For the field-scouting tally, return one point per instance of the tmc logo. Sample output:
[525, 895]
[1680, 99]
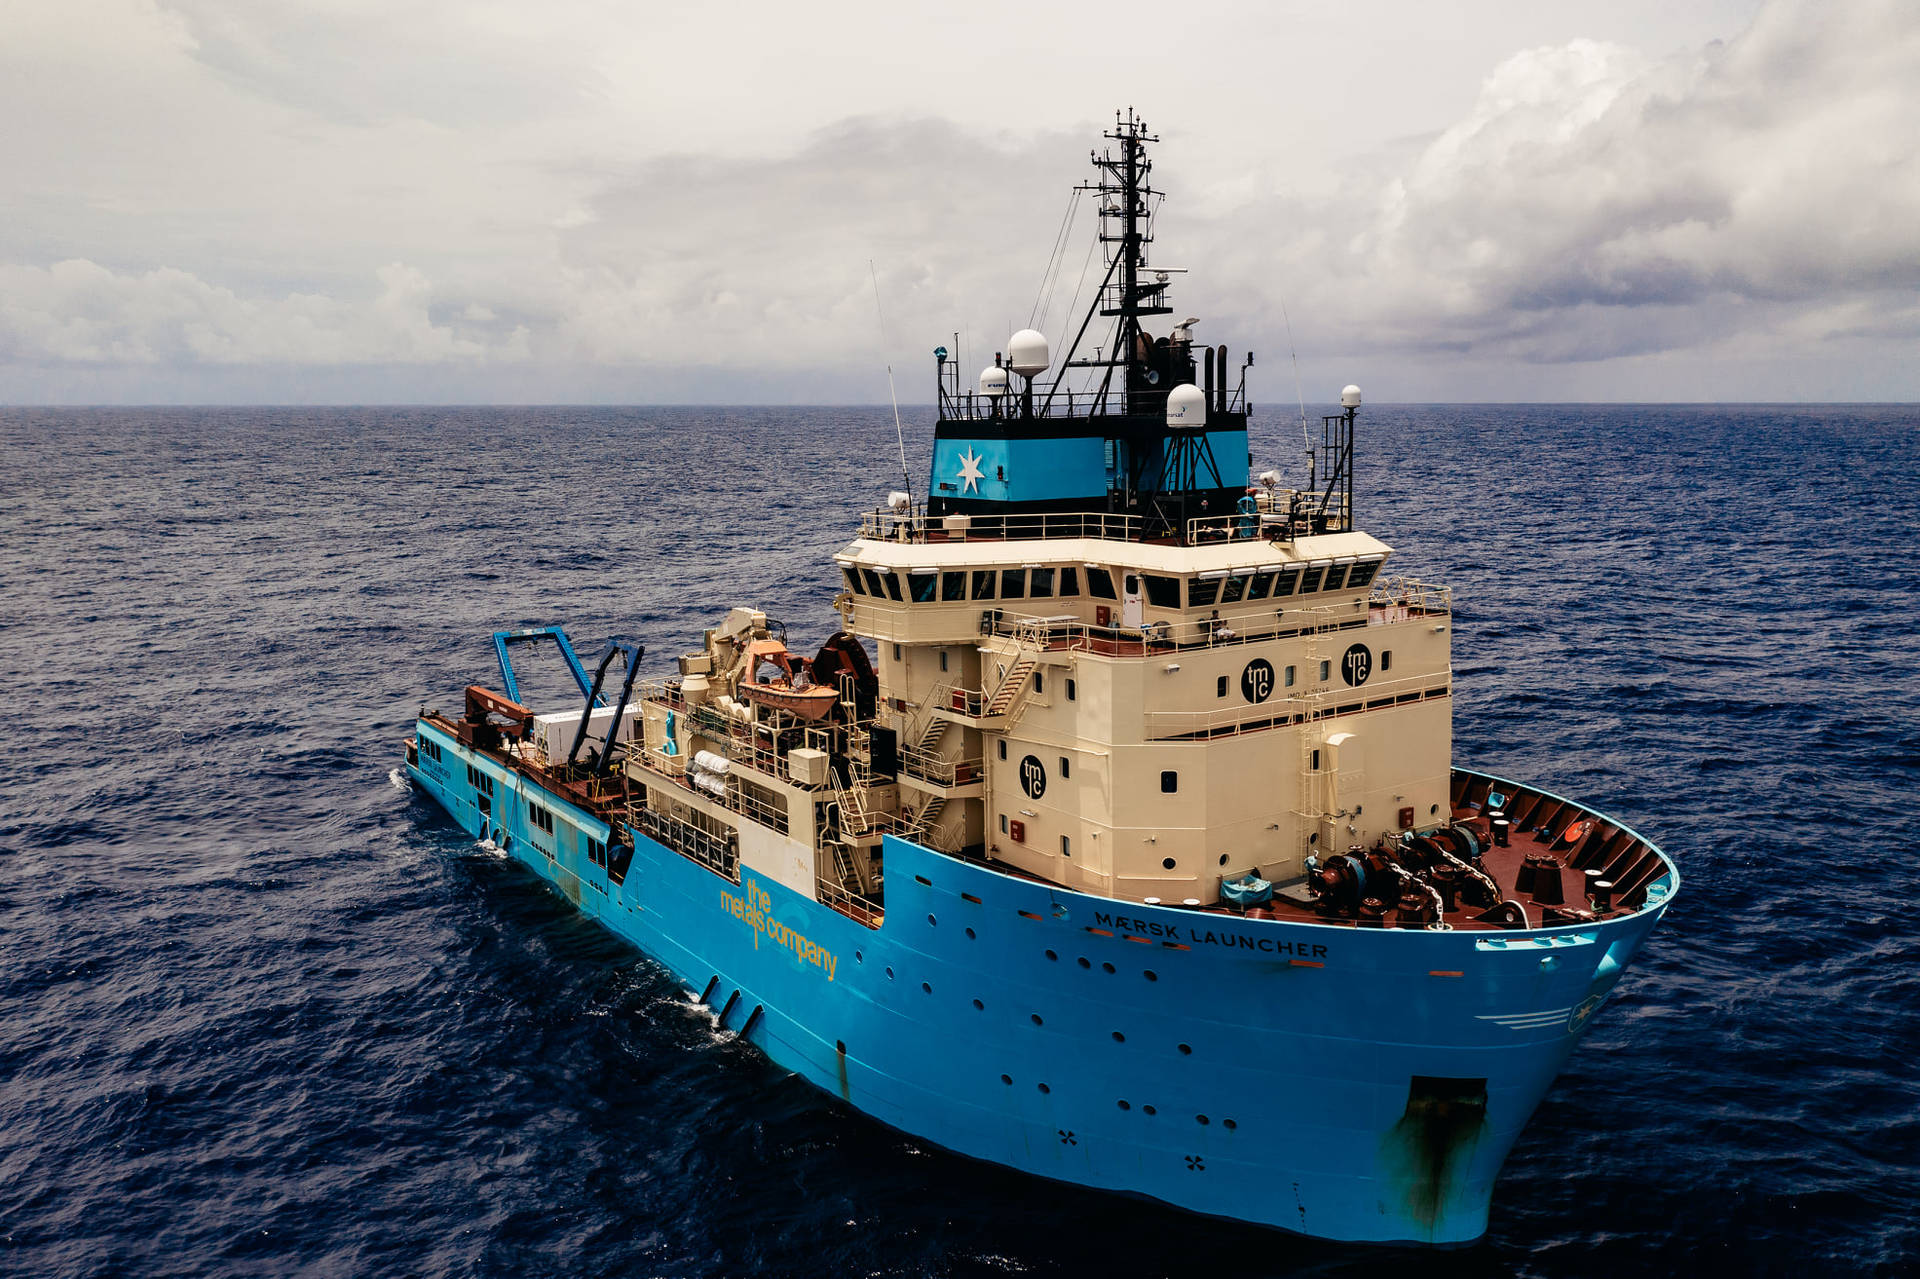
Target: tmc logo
[1033, 776]
[1357, 665]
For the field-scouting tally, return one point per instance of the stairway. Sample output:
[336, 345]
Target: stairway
[925, 820]
[1013, 688]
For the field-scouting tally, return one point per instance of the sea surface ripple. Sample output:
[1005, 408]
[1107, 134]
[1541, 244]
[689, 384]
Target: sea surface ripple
[266, 1012]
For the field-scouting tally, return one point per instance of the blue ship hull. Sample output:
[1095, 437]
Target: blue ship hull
[1359, 1084]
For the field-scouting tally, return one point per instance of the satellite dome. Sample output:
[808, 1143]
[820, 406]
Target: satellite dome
[1186, 407]
[1350, 397]
[993, 382]
[1027, 353]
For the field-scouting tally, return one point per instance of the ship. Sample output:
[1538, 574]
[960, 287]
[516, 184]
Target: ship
[1114, 836]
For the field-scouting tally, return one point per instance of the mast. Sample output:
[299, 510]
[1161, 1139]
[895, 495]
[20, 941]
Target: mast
[1112, 448]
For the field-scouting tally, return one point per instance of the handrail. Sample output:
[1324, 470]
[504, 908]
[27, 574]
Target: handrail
[1297, 708]
[916, 525]
[929, 767]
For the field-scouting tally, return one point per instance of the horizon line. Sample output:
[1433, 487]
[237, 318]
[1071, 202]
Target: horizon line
[883, 405]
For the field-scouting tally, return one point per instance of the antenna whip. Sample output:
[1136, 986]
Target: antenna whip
[899, 435]
[1306, 437]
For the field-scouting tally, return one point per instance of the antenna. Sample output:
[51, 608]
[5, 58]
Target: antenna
[899, 435]
[1306, 437]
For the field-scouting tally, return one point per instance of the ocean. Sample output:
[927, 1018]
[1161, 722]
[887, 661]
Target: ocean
[263, 1011]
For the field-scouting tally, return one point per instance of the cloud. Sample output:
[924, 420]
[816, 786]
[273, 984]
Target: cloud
[1594, 204]
[80, 313]
[449, 189]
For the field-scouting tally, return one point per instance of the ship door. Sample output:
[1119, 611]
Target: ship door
[1130, 616]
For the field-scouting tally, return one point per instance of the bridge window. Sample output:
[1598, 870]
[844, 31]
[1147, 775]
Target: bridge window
[1260, 586]
[872, 580]
[1310, 580]
[1013, 583]
[1040, 583]
[853, 581]
[1336, 578]
[983, 584]
[1233, 588]
[1069, 581]
[893, 584]
[1162, 592]
[1100, 583]
[1363, 574]
[1201, 591]
[923, 585]
[1289, 579]
[953, 586]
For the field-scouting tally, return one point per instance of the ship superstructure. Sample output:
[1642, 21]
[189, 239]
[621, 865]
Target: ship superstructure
[1120, 808]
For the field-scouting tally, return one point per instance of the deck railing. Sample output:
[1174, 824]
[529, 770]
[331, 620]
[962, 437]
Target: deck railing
[1295, 708]
[929, 767]
[917, 526]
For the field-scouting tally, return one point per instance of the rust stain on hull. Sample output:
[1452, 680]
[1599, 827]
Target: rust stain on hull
[1434, 1141]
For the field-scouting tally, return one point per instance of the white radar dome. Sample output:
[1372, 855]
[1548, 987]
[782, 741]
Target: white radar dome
[993, 382]
[1350, 397]
[1027, 353]
[1187, 407]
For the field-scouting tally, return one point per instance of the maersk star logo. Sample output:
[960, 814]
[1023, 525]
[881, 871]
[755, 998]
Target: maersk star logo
[970, 472]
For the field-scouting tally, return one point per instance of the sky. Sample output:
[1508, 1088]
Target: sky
[580, 201]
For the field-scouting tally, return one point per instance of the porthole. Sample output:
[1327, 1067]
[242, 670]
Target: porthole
[1119, 1038]
[1150, 975]
[1148, 1110]
[1036, 1019]
[1228, 1123]
[978, 1006]
[1166, 863]
[1044, 1088]
[927, 987]
[840, 1046]
[1186, 1050]
[1432, 809]
[1106, 968]
[1007, 1080]
[970, 934]
[889, 974]
[1223, 856]
[1126, 1105]
[1202, 1120]
[1084, 962]
[1051, 955]
[932, 922]
[859, 957]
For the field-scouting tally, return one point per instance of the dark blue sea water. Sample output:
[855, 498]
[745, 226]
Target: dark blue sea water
[263, 1012]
